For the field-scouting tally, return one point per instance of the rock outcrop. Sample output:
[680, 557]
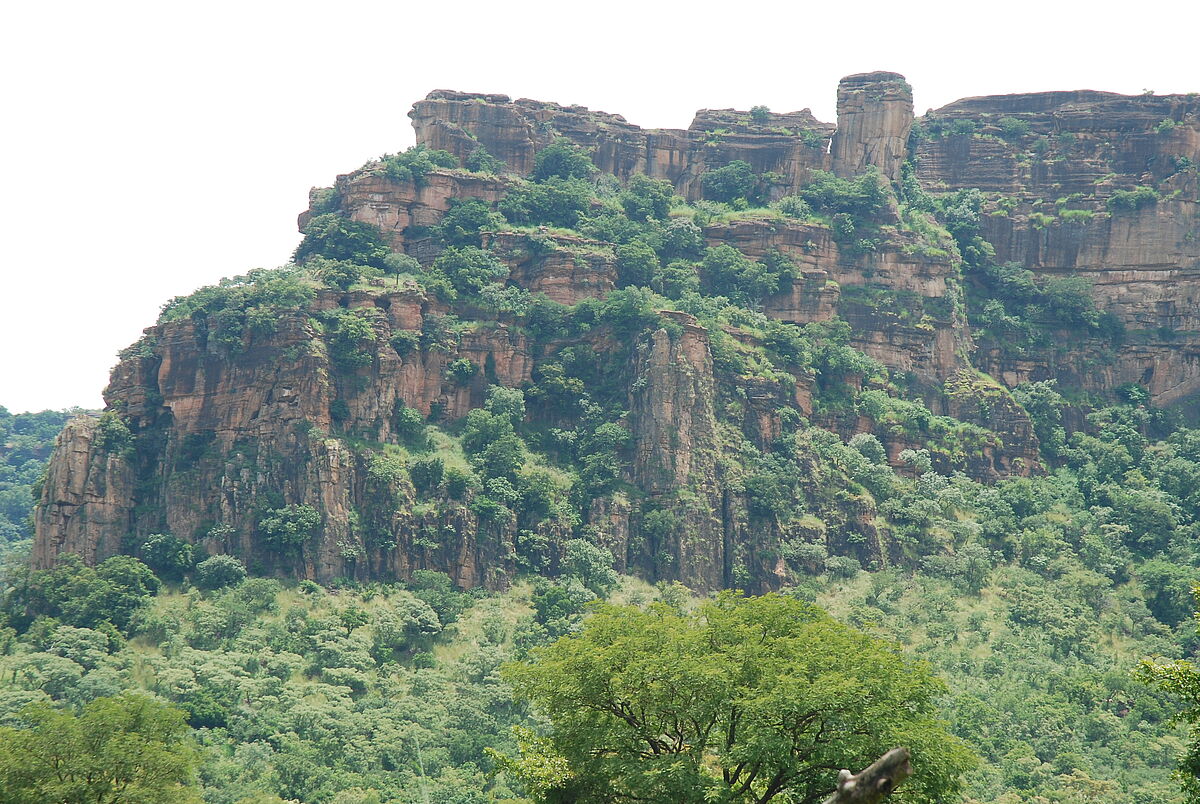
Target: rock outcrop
[790, 144]
[221, 430]
[875, 116]
[1057, 169]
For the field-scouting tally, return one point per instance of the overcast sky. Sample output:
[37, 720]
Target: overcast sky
[150, 148]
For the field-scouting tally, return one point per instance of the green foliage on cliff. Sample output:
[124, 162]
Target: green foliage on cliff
[415, 164]
[290, 527]
[25, 443]
[562, 160]
[337, 237]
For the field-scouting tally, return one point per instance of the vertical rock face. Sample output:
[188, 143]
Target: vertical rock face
[1053, 167]
[875, 116]
[87, 499]
[901, 302]
[223, 433]
[675, 455]
[566, 269]
[790, 144]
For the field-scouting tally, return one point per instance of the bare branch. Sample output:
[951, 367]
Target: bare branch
[875, 782]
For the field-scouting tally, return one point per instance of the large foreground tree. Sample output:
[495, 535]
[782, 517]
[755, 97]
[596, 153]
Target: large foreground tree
[125, 750]
[744, 700]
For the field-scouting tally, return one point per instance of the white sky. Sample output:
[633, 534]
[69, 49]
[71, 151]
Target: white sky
[153, 147]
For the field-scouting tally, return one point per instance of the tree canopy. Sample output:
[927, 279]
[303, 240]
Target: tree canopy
[743, 700]
[125, 750]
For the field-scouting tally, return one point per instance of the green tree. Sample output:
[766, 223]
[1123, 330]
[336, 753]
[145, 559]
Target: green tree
[730, 182]
[125, 750]
[466, 218]
[480, 160]
[339, 238]
[291, 526]
[169, 556]
[469, 268]
[744, 700]
[636, 264]
[1181, 678]
[218, 572]
[647, 199]
[564, 160]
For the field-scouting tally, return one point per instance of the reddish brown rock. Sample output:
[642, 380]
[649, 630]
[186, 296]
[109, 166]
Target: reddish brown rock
[790, 144]
[566, 269]
[875, 115]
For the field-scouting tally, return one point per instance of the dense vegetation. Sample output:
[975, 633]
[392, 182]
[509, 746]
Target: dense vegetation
[1033, 598]
[25, 443]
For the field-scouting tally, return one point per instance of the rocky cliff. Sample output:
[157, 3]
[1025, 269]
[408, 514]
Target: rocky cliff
[682, 431]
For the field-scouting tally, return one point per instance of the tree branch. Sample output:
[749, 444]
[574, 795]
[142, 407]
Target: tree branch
[875, 782]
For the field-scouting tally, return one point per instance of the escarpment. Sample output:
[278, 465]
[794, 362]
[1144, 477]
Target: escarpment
[547, 325]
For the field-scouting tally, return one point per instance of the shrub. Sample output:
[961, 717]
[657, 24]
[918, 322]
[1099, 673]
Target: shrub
[289, 527]
[481, 161]
[113, 434]
[1012, 128]
[647, 199]
[729, 183]
[415, 163]
[340, 274]
[1131, 200]
[469, 268]
[636, 264]
[218, 572]
[555, 202]
[340, 238]
[682, 239]
[169, 556]
[427, 474]
[466, 218]
[593, 565]
[404, 341]
[869, 447]
[794, 207]
[761, 115]
[351, 336]
[408, 424]
[563, 160]
[861, 198]
[461, 371]
[842, 566]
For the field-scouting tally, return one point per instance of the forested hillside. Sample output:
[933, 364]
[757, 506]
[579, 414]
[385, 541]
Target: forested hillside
[344, 519]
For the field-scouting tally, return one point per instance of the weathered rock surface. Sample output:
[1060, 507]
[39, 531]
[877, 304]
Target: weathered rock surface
[875, 115]
[1050, 163]
[221, 437]
[566, 269]
[790, 144]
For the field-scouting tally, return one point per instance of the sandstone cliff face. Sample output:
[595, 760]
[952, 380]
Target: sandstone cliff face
[565, 269]
[875, 115]
[1051, 164]
[790, 144]
[900, 302]
[675, 457]
[89, 501]
[221, 436]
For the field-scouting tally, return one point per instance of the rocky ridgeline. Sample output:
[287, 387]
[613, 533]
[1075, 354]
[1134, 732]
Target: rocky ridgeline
[218, 437]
